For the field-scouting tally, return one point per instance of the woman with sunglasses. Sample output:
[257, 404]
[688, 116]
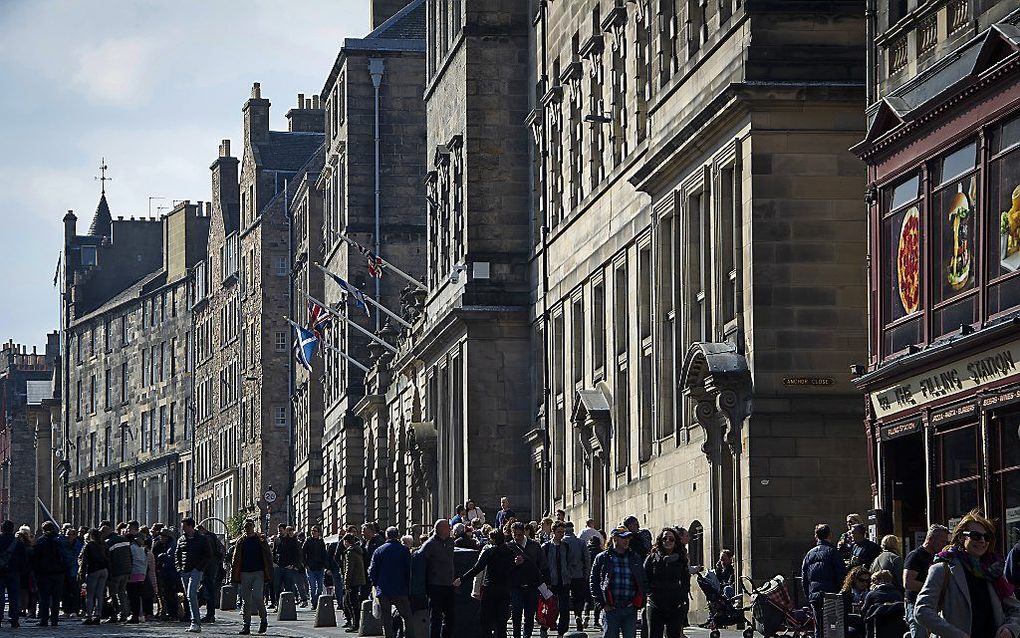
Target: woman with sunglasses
[669, 585]
[965, 594]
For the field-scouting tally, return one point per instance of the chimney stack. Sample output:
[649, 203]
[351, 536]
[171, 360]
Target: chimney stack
[308, 117]
[383, 10]
[226, 191]
[256, 117]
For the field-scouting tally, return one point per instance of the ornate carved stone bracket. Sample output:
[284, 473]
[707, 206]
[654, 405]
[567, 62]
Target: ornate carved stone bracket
[716, 376]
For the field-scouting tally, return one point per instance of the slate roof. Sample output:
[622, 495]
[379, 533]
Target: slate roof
[404, 31]
[288, 151]
[102, 220]
[406, 24]
[133, 291]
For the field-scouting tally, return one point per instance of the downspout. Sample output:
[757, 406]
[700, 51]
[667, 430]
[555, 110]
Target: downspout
[870, 53]
[375, 69]
[291, 453]
[191, 404]
[546, 393]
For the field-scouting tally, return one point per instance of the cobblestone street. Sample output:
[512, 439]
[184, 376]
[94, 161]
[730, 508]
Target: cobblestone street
[227, 624]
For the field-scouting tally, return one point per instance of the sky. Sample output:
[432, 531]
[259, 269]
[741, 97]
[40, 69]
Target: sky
[151, 86]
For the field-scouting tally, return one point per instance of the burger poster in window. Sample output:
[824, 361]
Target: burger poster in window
[959, 208]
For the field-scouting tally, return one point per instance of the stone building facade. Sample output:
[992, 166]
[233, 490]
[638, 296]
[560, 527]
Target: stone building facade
[26, 455]
[127, 385]
[454, 399]
[307, 397]
[242, 294]
[373, 193]
[942, 151]
[694, 191]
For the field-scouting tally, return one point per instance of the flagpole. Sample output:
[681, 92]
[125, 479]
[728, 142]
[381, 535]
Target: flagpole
[388, 265]
[349, 358]
[329, 347]
[366, 332]
[375, 303]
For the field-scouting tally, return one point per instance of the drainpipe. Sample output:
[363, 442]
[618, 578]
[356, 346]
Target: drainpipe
[869, 55]
[546, 393]
[291, 453]
[375, 68]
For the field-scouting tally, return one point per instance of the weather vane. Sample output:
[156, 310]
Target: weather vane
[102, 175]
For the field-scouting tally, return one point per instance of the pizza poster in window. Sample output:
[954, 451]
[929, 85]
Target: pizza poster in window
[908, 262]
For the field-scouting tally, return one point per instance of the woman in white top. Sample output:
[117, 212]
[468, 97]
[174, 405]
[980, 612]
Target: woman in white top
[472, 512]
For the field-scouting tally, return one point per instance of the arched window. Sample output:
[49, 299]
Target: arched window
[696, 547]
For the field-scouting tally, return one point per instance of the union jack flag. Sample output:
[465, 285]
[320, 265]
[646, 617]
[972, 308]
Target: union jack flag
[318, 319]
[375, 262]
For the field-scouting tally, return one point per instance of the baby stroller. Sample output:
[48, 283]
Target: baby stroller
[773, 612]
[723, 611]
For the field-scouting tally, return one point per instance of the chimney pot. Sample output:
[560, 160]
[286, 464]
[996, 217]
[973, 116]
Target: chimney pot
[300, 99]
[256, 91]
[315, 101]
[225, 148]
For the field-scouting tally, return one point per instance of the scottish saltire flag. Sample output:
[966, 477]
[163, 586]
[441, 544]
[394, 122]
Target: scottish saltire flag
[318, 319]
[305, 344]
[353, 291]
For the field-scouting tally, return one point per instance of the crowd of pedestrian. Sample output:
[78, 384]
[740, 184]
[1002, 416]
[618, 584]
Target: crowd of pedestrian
[953, 584]
[547, 574]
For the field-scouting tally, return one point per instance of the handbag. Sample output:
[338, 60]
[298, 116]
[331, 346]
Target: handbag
[376, 607]
[548, 612]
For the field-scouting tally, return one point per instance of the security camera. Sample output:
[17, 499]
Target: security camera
[455, 273]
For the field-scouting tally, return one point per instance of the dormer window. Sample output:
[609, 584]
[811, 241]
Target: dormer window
[89, 256]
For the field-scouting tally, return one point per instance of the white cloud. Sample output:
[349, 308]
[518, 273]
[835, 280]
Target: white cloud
[116, 71]
[151, 85]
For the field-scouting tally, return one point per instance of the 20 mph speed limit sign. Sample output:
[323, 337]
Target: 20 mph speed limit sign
[270, 496]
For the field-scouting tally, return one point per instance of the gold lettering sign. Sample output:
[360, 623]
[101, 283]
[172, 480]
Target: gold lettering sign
[956, 378]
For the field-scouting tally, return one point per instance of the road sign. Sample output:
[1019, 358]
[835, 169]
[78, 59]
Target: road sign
[270, 496]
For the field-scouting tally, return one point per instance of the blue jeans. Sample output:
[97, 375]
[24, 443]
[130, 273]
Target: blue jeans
[289, 582]
[916, 630]
[10, 583]
[192, 581]
[619, 621]
[316, 584]
[523, 603]
[50, 592]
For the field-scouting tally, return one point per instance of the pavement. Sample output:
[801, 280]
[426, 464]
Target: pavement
[228, 623]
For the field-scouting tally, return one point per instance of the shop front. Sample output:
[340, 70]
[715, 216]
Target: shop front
[948, 441]
[943, 376]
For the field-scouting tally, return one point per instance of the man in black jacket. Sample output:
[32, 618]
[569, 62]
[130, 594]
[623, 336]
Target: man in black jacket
[212, 576]
[49, 566]
[314, 553]
[865, 550]
[12, 563]
[192, 556]
[120, 570]
[287, 554]
[439, 575]
[530, 570]
[822, 572]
